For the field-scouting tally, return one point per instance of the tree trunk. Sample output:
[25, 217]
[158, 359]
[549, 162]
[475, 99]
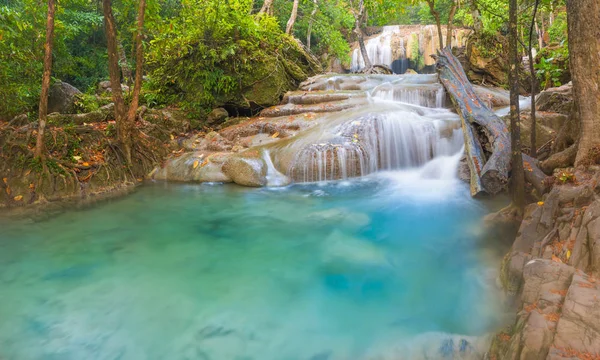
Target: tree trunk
[517, 176]
[310, 23]
[584, 55]
[125, 69]
[533, 151]
[266, 8]
[139, 65]
[358, 20]
[539, 35]
[123, 129]
[486, 128]
[292, 20]
[43, 109]
[449, 27]
[476, 15]
[438, 22]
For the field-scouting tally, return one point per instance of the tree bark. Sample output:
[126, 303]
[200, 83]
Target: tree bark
[584, 55]
[266, 8]
[310, 23]
[486, 127]
[125, 69]
[358, 20]
[123, 128]
[438, 22]
[292, 20]
[450, 20]
[533, 151]
[43, 108]
[476, 15]
[139, 65]
[517, 176]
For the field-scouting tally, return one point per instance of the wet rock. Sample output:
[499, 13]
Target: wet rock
[193, 167]
[62, 97]
[247, 169]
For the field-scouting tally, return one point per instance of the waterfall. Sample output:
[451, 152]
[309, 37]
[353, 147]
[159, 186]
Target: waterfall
[402, 125]
[389, 47]
[379, 49]
[427, 96]
[385, 141]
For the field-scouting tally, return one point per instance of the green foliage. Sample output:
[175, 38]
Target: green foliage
[210, 52]
[20, 56]
[417, 57]
[551, 65]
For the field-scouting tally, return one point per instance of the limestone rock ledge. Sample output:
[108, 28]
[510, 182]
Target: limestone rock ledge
[553, 274]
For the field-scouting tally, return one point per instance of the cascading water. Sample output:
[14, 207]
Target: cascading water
[405, 126]
[403, 47]
[378, 48]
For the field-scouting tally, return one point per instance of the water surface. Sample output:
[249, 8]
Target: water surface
[390, 266]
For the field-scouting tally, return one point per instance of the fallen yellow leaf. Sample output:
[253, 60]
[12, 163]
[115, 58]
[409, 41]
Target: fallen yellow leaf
[8, 190]
[18, 197]
[204, 163]
[172, 137]
[31, 186]
[275, 135]
[568, 254]
[86, 164]
[540, 203]
[195, 164]
[5, 180]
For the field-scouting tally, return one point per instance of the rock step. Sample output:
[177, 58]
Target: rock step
[325, 107]
[318, 97]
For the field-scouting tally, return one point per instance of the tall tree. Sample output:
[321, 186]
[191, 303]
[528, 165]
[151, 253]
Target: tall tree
[267, 7]
[584, 54]
[517, 177]
[476, 15]
[359, 18]
[139, 63]
[311, 20]
[124, 129]
[450, 20]
[438, 21]
[43, 108]
[292, 20]
[533, 139]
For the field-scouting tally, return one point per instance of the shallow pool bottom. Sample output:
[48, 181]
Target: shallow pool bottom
[384, 267]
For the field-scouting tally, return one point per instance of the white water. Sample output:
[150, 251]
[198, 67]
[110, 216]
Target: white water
[405, 127]
[379, 49]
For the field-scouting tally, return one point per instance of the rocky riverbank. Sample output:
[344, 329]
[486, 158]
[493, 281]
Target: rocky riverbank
[552, 273]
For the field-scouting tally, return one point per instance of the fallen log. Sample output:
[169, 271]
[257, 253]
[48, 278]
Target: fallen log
[475, 159]
[487, 128]
[534, 175]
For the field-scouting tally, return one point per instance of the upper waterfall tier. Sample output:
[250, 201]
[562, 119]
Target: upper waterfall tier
[404, 47]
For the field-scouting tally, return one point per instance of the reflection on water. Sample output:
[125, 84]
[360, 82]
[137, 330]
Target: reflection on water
[383, 267]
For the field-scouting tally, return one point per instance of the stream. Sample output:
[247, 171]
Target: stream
[387, 262]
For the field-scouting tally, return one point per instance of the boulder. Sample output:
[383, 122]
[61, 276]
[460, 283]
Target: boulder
[247, 169]
[193, 167]
[558, 100]
[104, 88]
[62, 97]
[217, 116]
